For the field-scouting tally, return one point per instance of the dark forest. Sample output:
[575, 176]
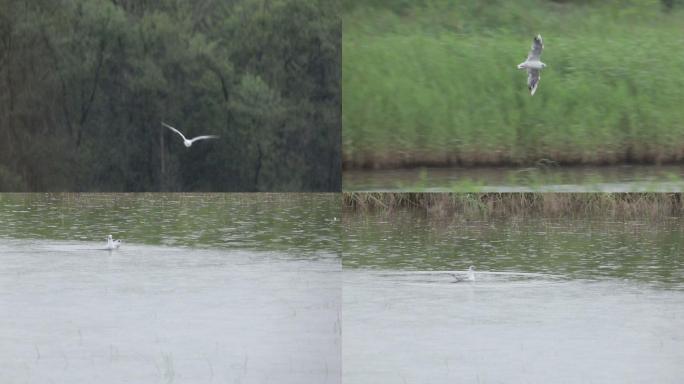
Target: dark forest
[85, 84]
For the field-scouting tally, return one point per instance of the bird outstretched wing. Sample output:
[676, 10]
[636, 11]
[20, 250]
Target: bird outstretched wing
[536, 50]
[533, 77]
[203, 138]
[174, 129]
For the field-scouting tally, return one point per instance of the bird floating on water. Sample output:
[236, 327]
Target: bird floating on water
[533, 64]
[187, 142]
[469, 277]
[112, 244]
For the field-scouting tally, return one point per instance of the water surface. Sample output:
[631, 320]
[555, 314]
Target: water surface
[205, 288]
[593, 300]
[302, 223]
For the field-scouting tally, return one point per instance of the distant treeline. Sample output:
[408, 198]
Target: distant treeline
[434, 82]
[507, 205]
[84, 85]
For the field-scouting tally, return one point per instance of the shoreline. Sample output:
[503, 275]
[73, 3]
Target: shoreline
[507, 205]
[367, 163]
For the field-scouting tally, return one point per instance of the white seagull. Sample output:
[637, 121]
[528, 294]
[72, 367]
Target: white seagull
[187, 142]
[112, 244]
[469, 277]
[533, 64]
[471, 273]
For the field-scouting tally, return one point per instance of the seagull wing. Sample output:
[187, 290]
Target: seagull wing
[456, 277]
[203, 138]
[174, 129]
[536, 50]
[461, 278]
[533, 77]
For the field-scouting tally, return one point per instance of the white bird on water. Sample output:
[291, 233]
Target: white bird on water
[533, 64]
[112, 244]
[187, 142]
[471, 273]
[469, 277]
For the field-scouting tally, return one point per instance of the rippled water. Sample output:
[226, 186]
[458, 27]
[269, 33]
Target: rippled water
[237, 289]
[590, 248]
[532, 179]
[297, 222]
[562, 301]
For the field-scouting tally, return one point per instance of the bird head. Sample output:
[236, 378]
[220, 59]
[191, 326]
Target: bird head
[471, 268]
[187, 143]
[109, 237]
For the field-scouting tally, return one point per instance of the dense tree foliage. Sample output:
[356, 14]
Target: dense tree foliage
[84, 85]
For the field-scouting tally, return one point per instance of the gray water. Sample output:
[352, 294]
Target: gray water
[554, 301]
[626, 178]
[182, 301]
[502, 330]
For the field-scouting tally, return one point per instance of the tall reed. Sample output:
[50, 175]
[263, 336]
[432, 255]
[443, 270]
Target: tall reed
[483, 205]
[437, 84]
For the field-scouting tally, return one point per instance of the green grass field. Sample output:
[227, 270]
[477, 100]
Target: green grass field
[437, 84]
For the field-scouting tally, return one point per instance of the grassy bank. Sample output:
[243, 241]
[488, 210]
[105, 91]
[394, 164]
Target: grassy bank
[437, 84]
[483, 205]
[540, 178]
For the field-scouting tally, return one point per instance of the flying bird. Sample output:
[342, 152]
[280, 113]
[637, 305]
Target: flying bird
[112, 244]
[187, 142]
[533, 64]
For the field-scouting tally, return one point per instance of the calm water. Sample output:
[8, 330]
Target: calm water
[205, 288]
[562, 301]
[534, 179]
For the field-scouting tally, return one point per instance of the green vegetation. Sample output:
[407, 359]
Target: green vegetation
[506, 205]
[528, 179]
[84, 85]
[434, 82]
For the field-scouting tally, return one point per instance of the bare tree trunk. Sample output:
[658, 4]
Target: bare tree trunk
[162, 182]
[58, 69]
[10, 93]
[85, 107]
[258, 168]
[8, 80]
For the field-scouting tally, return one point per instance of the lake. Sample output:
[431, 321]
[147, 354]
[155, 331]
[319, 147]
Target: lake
[205, 288]
[593, 300]
[624, 178]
